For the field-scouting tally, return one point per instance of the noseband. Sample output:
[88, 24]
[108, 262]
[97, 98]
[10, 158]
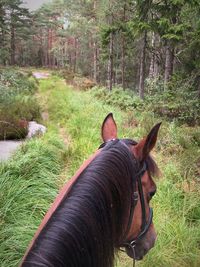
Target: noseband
[137, 190]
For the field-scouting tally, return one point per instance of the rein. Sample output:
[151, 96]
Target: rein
[145, 224]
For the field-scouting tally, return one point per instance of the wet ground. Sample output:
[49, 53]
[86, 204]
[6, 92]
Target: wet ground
[7, 148]
[41, 75]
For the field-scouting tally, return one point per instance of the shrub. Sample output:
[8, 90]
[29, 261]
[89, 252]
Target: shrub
[179, 101]
[17, 103]
[125, 100]
[64, 73]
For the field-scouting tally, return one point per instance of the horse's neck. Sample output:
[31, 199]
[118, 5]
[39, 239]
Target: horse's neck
[78, 234]
[84, 232]
[64, 191]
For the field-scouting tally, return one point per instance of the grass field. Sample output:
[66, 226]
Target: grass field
[43, 165]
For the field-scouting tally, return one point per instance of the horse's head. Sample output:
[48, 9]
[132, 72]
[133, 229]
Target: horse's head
[139, 235]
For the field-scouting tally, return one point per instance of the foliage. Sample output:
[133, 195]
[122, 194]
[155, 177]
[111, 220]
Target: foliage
[79, 114]
[28, 186]
[125, 100]
[65, 74]
[14, 30]
[13, 82]
[77, 35]
[16, 91]
[179, 101]
[176, 205]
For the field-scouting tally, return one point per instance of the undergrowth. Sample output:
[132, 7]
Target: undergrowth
[173, 103]
[80, 114]
[17, 89]
[28, 186]
[176, 205]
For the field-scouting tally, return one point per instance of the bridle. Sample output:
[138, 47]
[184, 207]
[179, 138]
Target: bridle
[137, 184]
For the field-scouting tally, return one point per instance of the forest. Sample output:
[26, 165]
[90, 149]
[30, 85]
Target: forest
[139, 60]
[115, 43]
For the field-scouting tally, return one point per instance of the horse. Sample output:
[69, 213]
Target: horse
[103, 208]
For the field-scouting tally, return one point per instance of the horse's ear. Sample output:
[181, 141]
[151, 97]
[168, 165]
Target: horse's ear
[109, 128]
[144, 147]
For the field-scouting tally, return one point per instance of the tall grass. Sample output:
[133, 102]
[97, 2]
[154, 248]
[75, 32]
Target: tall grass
[176, 209]
[28, 185]
[80, 114]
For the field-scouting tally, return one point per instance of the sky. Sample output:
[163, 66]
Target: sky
[34, 4]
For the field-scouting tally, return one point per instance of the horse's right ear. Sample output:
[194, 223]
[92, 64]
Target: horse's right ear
[109, 128]
[144, 147]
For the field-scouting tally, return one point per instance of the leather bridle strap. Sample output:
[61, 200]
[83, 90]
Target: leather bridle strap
[131, 244]
[145, 224]
[140, 190]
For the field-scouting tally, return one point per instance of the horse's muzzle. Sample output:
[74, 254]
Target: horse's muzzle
[142, 246]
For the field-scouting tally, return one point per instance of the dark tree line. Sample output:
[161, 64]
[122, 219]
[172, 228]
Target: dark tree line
[15, 23]
[121, 42]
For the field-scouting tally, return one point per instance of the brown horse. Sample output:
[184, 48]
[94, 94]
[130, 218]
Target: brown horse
[104, 207]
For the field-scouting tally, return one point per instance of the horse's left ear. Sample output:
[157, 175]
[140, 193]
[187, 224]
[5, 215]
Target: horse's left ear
[144, 147]
[109, 128]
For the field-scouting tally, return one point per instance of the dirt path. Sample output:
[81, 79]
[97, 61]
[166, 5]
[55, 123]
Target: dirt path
[43, 98]
[41, 75]
[7, 148]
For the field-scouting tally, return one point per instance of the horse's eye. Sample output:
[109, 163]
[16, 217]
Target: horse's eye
[152, 193]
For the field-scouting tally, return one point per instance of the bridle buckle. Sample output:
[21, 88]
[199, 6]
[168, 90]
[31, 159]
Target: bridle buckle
[135, 196]
[133, 243]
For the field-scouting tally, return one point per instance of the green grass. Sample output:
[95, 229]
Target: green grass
[80, 114]
[176, 210]
[17, 91]
[28, 185]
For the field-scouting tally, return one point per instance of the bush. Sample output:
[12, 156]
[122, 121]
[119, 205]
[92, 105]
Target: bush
[65, 74]
[83, 83]
[16, 82]
[17, 103]
[179, 101]
[125, 100]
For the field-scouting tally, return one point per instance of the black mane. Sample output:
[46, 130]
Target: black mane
[89, 223]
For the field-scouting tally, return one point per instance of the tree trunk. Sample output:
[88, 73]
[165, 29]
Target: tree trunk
[198, 86]
[12, 45]
[75, 54]
[110, 63]
[50, 48]
[153, 59]
[154, 64]
[123, 63]
[123, 50]
[47, 49]
[95, 49]
[2, 35]
[95, 61]
[169, 63]
[142, 66]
